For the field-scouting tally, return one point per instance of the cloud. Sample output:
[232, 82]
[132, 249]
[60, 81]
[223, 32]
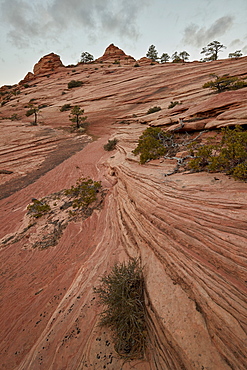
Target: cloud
[196, 36]
[244, 50]
[27, 21]
[235, 43]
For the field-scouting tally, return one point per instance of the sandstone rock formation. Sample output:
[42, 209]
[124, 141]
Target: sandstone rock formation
[48, 63]
[113, 54]
[29, 77]
[145, 61]
[188, 229]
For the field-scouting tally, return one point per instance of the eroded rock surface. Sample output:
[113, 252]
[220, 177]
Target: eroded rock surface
[48, 63]
[189, 230]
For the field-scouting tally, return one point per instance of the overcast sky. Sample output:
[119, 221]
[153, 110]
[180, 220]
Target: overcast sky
[30, 29]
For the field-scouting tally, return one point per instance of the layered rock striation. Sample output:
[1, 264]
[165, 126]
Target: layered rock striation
[187, 229]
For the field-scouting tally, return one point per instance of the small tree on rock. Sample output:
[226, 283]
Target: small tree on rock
[33, 110]
[152, 53]
[184, 56]
[77, 114]
[164, 58]
[236, 54]
[86, 57]
[211, 51]
[176, 58]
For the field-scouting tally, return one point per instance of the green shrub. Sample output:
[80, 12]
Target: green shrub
[38, 208]
[224, 83]
[229, 156]
[153, 110]
[74, 83]
[111, 145]
[65, 107]
[31, 111]
[84, 193]
[121, 292]
[149, 145]
[136, 65]
[173, 104]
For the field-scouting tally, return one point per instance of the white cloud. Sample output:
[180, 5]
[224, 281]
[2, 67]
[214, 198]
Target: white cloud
[29, 21]
[196, 36]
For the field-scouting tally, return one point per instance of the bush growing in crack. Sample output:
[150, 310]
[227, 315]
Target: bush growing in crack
[229, 156]
[38, 208]
[121, 292]
[84, 192]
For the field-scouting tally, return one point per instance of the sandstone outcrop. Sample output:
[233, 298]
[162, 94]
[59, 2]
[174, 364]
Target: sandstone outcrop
[187, 229]
[48, 63]
[113, 54]
[29, 77]
[144, 61]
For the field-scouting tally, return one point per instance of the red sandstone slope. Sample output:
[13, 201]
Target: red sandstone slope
[188, 229]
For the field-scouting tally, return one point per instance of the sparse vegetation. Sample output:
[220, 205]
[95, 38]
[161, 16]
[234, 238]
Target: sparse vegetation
[152, 53]
[230, 156]
[83, 193]
[150, 146]
[111, 145]
[73, 83]
[86, 57]
[77, 116]
[164, 58]
[212, 50]
[153, 110]
[225, 82]
[237, 54]
[121, 292]
[173, 104]
[38, 208]
[183, 56]
[136, 65]
[33, 110]
[65, 107]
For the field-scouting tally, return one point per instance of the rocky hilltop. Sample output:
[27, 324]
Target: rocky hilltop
[188, 230]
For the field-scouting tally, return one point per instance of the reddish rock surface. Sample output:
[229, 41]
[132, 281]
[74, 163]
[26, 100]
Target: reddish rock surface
[189, 230]
[114, 54]
[48, 63]
[29, 77]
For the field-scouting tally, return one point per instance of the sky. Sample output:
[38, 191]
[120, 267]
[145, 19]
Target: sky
[30, 29]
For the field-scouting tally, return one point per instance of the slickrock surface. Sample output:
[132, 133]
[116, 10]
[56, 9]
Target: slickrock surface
[189, 230]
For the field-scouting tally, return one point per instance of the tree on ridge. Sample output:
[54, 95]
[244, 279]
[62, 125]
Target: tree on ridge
[152, 53]
[211, 51]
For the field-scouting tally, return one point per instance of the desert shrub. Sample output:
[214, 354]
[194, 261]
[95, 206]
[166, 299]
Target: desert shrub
[38, 208]
[153, 110]
[111, 145]
[121, 292]
[15, 117]
[26, 86]
[116, 61]
[173, 104]
[84, 192]
[65, 107]
[74, 83]
[136, 65]
[30, 112]
[229, 156]
[224, 83]
[150, 146]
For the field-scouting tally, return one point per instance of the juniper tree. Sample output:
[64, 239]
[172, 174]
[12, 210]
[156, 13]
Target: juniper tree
[211, 51]
[152, 53]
